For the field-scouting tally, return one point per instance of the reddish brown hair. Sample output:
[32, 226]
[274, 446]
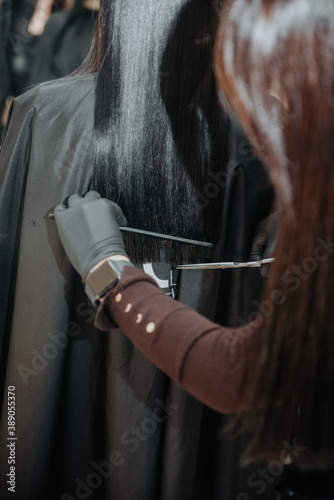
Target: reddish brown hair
[274, 59]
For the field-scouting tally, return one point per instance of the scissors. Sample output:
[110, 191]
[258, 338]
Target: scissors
[227, 265]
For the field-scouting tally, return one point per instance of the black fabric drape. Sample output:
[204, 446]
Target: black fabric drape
[94, 418]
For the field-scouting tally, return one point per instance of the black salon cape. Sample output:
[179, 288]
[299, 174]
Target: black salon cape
[94, 418]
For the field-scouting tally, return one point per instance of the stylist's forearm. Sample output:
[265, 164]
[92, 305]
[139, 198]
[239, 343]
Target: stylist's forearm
[192, 350]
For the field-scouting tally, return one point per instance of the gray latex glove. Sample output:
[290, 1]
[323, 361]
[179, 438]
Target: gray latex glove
[265, 240]
[89, 230]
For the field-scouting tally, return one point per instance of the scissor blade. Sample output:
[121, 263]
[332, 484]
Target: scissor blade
[226, 265]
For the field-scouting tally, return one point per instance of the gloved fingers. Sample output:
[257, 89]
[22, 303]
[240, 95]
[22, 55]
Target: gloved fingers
[92, 195]
[258, 246]
[118, 213]
[59, 208]
[264, 270]
[265, 237]
[270, 247]
[74, 200]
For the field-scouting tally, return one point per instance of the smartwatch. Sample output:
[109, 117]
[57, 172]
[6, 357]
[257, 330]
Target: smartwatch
[103, 278]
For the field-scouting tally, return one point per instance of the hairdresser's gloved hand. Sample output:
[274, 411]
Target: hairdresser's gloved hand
[265, 240]
[89, 230]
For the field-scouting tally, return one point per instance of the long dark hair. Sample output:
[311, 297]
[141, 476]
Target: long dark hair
[160, 135]
[274, 59]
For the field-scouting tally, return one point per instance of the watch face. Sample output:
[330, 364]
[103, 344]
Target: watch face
[102, 278]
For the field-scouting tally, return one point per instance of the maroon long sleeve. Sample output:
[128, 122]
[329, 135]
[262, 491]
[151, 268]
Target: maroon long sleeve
[204, 358]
